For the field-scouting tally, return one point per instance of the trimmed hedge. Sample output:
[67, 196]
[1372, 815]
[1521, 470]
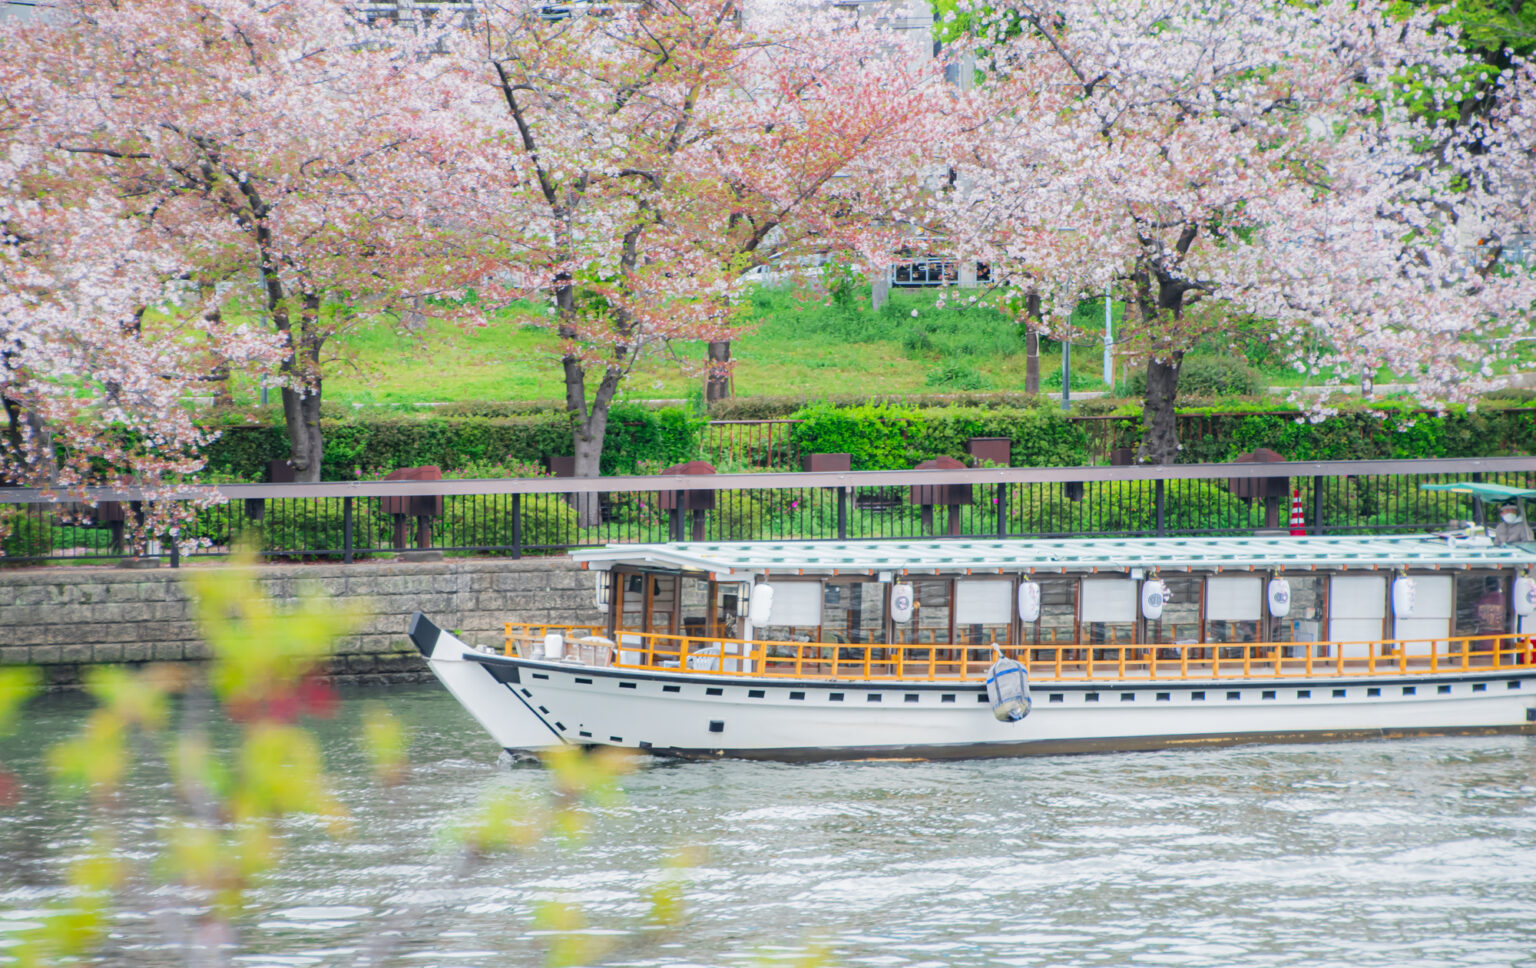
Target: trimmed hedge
[1376, 434]
[879, 436]
[895, 438]
[367, 443]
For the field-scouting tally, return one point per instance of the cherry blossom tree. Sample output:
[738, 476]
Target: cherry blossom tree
[94, 393]
[1259, 156]
[628, 161]
[275, 145]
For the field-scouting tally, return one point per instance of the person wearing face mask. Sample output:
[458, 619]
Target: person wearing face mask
[1512, 527]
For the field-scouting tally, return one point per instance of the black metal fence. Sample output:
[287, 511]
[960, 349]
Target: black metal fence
[350, 521]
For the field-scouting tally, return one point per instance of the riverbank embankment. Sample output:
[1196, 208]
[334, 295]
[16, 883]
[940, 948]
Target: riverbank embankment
[65, 620]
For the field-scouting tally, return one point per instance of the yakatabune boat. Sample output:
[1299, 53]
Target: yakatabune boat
[882, 649]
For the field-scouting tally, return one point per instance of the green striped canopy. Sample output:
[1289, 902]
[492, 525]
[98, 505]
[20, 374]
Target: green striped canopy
[1483, 492]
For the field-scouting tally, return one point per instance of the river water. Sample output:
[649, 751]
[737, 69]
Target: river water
[1417, 852]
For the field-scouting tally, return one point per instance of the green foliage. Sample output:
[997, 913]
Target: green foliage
[845, 286]
[1131, 506]
[957, 376]
[321, 525]
[357, 444]
[1206, 376]
[24, 533]
[486, 519]
[876, 438]
[637, 434]
[893, 438]
[228, 829]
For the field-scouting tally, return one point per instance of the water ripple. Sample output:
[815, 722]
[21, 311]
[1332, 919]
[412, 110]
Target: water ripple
[1415, 853]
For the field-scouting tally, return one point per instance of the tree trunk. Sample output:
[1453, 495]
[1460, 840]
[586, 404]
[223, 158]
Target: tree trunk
[301, 405]
[717, 380]
[1032, 363]
[1032, 344]
[1159, 428]
[301, 414]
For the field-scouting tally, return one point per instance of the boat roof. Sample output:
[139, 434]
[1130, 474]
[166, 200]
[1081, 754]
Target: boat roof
[1009, 556]
[1483, 492]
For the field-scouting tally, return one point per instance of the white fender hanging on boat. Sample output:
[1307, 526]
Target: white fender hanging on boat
[1154, 595]
[761, 607]
[1279, 597]
[1008, 690]
[1029, 601]
[554, 646]
[1403, 594]
[1525, 595]
[901, 603]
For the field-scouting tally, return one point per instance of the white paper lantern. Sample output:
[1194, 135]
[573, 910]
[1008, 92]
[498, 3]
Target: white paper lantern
[1154, 595]
[1279, 597]
[1029, 601]
[762, 605]
[1403, 593]
[901, 603]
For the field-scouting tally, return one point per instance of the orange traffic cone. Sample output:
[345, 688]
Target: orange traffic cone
[1298, 523]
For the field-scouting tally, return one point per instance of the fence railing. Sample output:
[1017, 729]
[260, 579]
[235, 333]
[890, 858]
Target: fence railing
[515, 517]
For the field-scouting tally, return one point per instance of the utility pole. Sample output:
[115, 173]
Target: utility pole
[1109, 341]
[1066, 375]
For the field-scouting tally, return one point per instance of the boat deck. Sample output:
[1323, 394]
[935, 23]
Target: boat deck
[1076, 662]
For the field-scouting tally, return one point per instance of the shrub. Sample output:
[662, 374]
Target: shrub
[486, 519]
[876, 438]
[1205, 376]
[25, 533]
[391, 441]
[957, 376]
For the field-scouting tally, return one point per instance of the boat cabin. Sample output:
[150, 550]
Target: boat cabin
[1072, 599]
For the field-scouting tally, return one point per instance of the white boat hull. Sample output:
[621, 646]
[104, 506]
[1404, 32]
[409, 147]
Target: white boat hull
[533, 704]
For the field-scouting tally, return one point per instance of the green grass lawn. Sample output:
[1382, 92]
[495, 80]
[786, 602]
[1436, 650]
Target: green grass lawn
[798, 345]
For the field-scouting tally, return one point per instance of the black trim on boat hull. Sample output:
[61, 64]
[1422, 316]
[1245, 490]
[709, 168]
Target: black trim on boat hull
[1120, 744]
[424, 634]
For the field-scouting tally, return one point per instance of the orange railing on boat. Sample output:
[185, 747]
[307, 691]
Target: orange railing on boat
[712, 655]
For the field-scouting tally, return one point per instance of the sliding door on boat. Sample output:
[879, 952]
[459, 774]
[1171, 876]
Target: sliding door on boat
[1431, 618]
[1107, 610]
[1357, 612]
[1234, 607]
[984, 610]
[796, 616]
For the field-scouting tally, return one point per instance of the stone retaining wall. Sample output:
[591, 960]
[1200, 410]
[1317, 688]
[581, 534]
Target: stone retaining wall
[64, 619]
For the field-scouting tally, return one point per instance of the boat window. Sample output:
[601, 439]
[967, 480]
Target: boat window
[1482, 606]
[1304, 622]
[984, 610]
[1180, 621]
[1057, 624]
[853, 611]
[630, 607]
[796, 614]
[1233, 607]
[1357, 607]
[661, 610]
[1108, 609]
[696, 611]
[930, 618]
